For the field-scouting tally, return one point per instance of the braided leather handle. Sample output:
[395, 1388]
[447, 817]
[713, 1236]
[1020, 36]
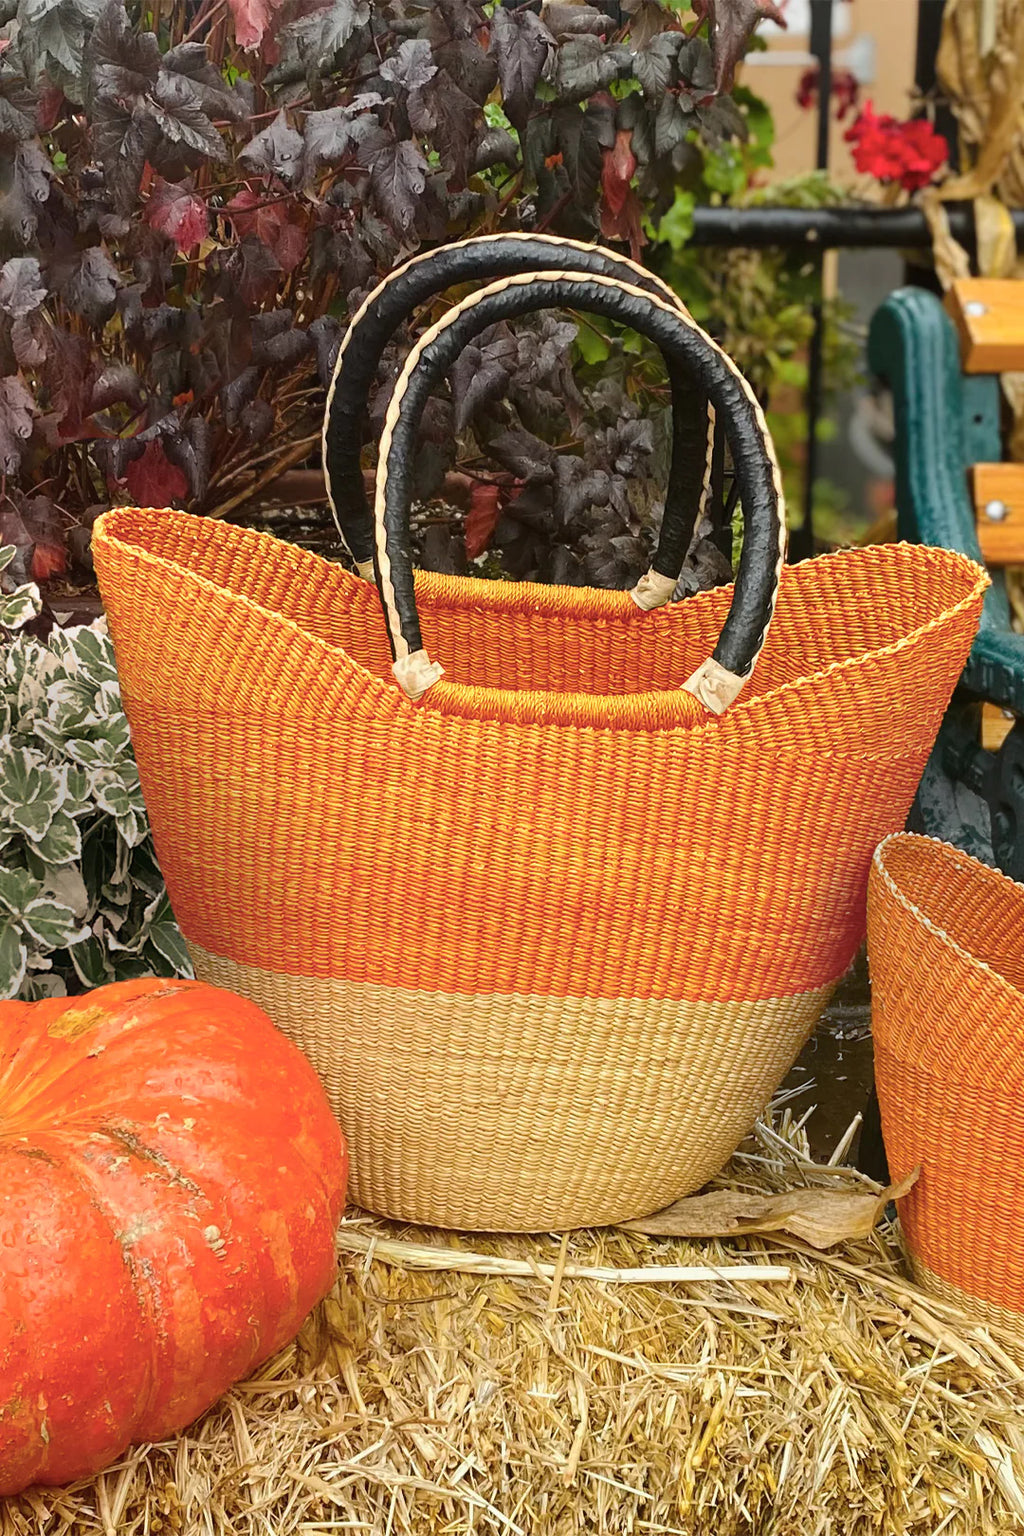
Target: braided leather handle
[718, 681]
[485, 258]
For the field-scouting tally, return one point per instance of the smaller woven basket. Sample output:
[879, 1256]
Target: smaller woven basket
[946, 949]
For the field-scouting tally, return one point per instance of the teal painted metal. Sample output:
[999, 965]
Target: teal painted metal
[944, 424]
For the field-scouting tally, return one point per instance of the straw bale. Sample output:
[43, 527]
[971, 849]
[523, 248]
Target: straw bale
[423, 1402]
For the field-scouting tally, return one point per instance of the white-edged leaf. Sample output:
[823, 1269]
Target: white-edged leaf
[13, 961]
[17, 889]
[62, 841]
[53, 924]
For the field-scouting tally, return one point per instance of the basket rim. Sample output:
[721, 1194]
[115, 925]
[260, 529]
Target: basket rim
[937, 850]
[661, 712]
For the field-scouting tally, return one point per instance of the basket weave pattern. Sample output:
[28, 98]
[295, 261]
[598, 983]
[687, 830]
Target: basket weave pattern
[549, 973]
[946, 945]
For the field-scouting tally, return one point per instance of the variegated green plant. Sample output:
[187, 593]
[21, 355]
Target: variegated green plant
[82, 901]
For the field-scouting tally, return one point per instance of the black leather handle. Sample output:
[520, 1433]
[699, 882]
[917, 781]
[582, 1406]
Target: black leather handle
[484, 258]
[720, 679]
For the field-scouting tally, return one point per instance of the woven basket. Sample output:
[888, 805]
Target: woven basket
[552, 935]
[946, 948]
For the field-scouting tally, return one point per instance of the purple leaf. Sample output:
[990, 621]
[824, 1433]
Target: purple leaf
[122, 64]
[24, 187]
[450, 119]
[398, 177]
[473, 70]
[278, 150]
[91, 288]
[17, 416]
[28, 338]
[257, 421]
[21, 286]
[188, 449]
[117, 385]
[235, 396]
[411, 65]
[520, 42]
[326, 336]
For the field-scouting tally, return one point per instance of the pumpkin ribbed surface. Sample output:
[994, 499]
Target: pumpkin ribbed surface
[171, 1177]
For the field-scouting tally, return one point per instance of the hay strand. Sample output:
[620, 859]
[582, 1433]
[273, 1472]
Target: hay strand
[454, 1402]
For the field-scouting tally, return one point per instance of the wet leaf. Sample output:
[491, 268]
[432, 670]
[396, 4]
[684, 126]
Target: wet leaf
[655, 65]
[571, 20]
[91, 287]
[22, 288]
[188, 450]
[327, 137]
[587, 65]
[325, 333]
[450, 119]
[257, 421]
[481, 519]
[320, 34]
[24, 187]
[274, 221]
[520, 42]
[398, 177]
[177, 212]
[411, 65]
[278, 149]
[252, 19]
[731, 24]
[820, 1217]
[153, 481]
[17, 417]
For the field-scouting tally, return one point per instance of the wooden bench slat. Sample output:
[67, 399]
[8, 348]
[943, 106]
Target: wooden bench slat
[999, 512]
[989, 317]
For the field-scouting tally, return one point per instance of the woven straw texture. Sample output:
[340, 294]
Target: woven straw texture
[549, 973]
[946, 946]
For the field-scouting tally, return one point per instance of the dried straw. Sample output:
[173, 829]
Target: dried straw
[538, 1401]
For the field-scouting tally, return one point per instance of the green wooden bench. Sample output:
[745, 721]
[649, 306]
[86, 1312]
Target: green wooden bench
[952, 490]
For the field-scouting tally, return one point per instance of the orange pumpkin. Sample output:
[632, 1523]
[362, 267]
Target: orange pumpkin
[171, 1177]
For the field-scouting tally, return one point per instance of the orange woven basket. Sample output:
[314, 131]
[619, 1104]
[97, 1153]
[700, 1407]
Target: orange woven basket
[946, 949]
[552, 935]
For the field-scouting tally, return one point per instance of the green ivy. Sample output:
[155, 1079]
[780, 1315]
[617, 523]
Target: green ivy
[82, 901]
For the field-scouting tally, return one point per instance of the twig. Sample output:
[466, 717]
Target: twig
[296, 452]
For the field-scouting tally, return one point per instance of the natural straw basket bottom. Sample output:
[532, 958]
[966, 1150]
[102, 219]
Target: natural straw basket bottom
[577, 1131]
[843, 1403]
[971, 1306]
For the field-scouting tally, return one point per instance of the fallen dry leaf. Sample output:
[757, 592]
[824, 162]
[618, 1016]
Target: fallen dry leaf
[820, 1217]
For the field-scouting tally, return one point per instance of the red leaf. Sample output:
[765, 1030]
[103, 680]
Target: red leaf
[48, 560]
[273, 222]
[48, 107]
[252, 18]
[481, 519]
[153, 481]
[177, 212]
[618, 170]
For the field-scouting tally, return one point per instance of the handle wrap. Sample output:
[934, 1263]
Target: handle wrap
[719, 679]
[483, 259]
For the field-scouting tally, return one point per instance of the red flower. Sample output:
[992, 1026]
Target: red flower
[906, 153]
[844, 92]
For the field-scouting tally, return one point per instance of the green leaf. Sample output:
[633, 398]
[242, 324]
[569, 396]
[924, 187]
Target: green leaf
[21, 605]
[112, 795]
[17, 889]
[90, 962]
[13, 960]
[62, 841]
[592, 346]
[676, 226]
[7, 554]
[53, 924]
